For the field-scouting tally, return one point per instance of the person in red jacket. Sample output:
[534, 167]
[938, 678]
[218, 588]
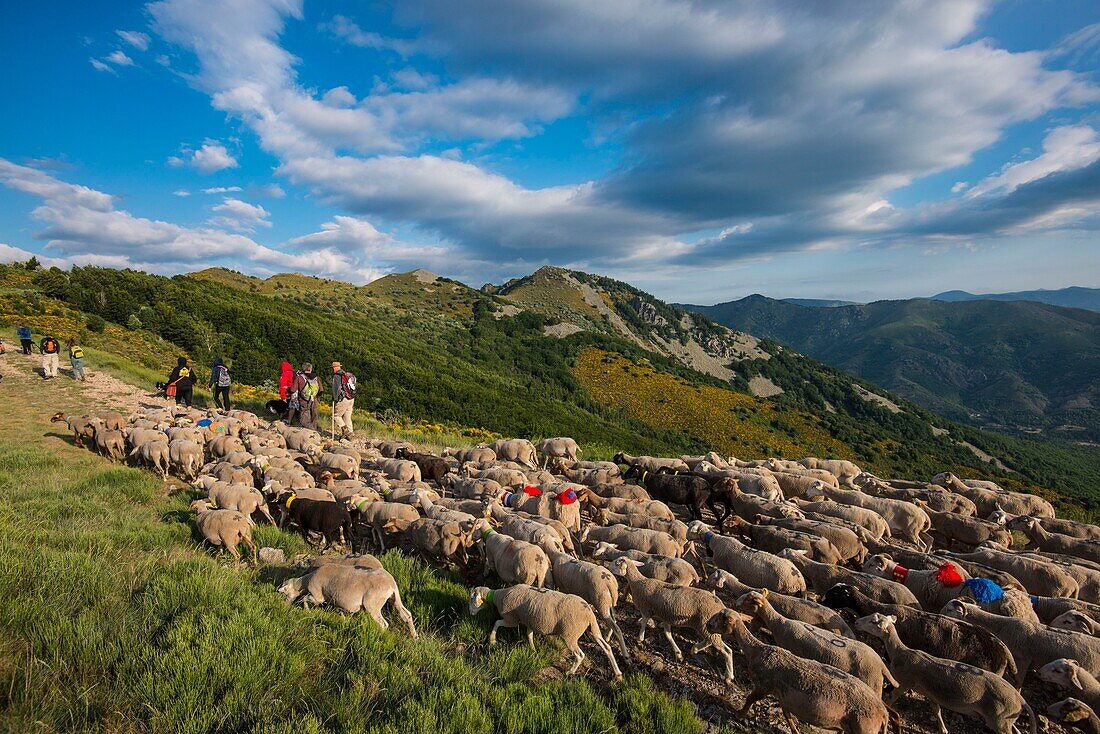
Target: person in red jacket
[286, 381]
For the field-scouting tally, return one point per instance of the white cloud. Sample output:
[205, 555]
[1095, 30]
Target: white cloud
[101, 66]
[119, 58]
[1064, 148]
[137, 39]
[239, 215]
[211, 157]
[270, 191]
[339, 97]
[221, 190]
[959, 186]
[83, 227]
[720, 110]
[181, 193]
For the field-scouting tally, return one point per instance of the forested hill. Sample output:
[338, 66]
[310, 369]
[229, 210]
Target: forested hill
[557, 353]
[1017, 366]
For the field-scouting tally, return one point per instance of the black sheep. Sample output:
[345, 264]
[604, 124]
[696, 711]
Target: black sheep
[431, 466]
[330, 519]
[683, 489]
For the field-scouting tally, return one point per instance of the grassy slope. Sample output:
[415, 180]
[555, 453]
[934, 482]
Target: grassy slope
[113, 618]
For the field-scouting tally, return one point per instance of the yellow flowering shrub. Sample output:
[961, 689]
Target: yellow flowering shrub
[731, 423]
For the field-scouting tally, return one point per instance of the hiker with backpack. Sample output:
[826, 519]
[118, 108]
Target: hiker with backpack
[343, 400]
[25, 339]
[49, 348]
[181, 383]
[219, 384]
[305, 392]
[76, 359]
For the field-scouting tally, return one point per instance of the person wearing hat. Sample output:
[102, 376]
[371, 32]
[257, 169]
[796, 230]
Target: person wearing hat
[306, 391]
[343, 400]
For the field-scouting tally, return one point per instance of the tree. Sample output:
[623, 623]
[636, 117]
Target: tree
[33, 264]
[133, 323]
[96, 323]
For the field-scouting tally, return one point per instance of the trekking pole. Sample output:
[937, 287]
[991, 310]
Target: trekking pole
[334, 416]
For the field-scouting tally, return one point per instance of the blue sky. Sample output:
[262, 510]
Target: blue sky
[701, 150]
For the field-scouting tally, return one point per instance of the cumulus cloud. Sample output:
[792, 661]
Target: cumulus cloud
[211, 157]
[80, 225]
[239, 215]
[119, 58]
[137, 39]
[782, 126]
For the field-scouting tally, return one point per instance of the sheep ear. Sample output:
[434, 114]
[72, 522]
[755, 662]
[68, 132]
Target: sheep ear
[764, 593]
[1074, 679]
[892, 618]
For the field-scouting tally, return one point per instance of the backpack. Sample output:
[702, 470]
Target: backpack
[349, 386]
[51, 346]
[76, 352]
[223, 376]
[310, 389]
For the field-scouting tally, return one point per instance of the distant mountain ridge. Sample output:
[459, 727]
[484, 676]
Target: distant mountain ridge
[1008, 365]
[1072, 297]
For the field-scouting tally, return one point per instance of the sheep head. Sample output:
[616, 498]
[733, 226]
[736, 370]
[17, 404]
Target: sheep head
[479, 598]
[752, 602]
[876, 625]
[1069, 711]
[697, 529]
[878, 564]
[1062, 672]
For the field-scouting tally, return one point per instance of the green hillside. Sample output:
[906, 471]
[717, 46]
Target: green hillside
[1016, 366]
[649, 379]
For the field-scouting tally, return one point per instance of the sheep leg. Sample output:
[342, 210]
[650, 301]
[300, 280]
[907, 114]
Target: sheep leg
[252, 547]
[497, 625]
[578, 653]
[675, 648]
[618, 634]
[403, 613]
[376, 615]
[727, 653]
[939, 717]
[754, 696]
[234, 552]
[642, 624]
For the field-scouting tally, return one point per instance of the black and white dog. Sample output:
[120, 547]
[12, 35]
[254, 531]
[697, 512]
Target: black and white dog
[277, 408]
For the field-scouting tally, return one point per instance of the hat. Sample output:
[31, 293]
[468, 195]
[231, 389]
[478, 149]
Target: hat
[307, 367]
[335, 365]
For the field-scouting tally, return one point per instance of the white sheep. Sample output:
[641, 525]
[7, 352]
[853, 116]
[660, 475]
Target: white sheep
[546, 612]
[224, 528]
[350, 588]
[674, 606]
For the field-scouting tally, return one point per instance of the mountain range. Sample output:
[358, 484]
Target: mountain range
[1017, 366]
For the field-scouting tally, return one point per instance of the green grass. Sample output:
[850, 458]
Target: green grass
[115, 618]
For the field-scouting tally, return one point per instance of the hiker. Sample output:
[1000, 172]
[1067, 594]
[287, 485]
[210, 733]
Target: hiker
[305, 392]
[180, 383]
[343, 400]
[25, 339]
[76, 359]
[219, 384]
[50, 348]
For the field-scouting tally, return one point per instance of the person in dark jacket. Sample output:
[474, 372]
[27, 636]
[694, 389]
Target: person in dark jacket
[219, 384]
[306, 392]
[25, 339]
[184, 381]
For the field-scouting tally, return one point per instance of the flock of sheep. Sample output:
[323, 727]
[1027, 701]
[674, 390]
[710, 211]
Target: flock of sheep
[842, 590]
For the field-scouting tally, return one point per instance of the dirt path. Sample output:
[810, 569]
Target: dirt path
[100, 391]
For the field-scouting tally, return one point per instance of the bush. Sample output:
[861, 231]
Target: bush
[133, 323]
[96, 323]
